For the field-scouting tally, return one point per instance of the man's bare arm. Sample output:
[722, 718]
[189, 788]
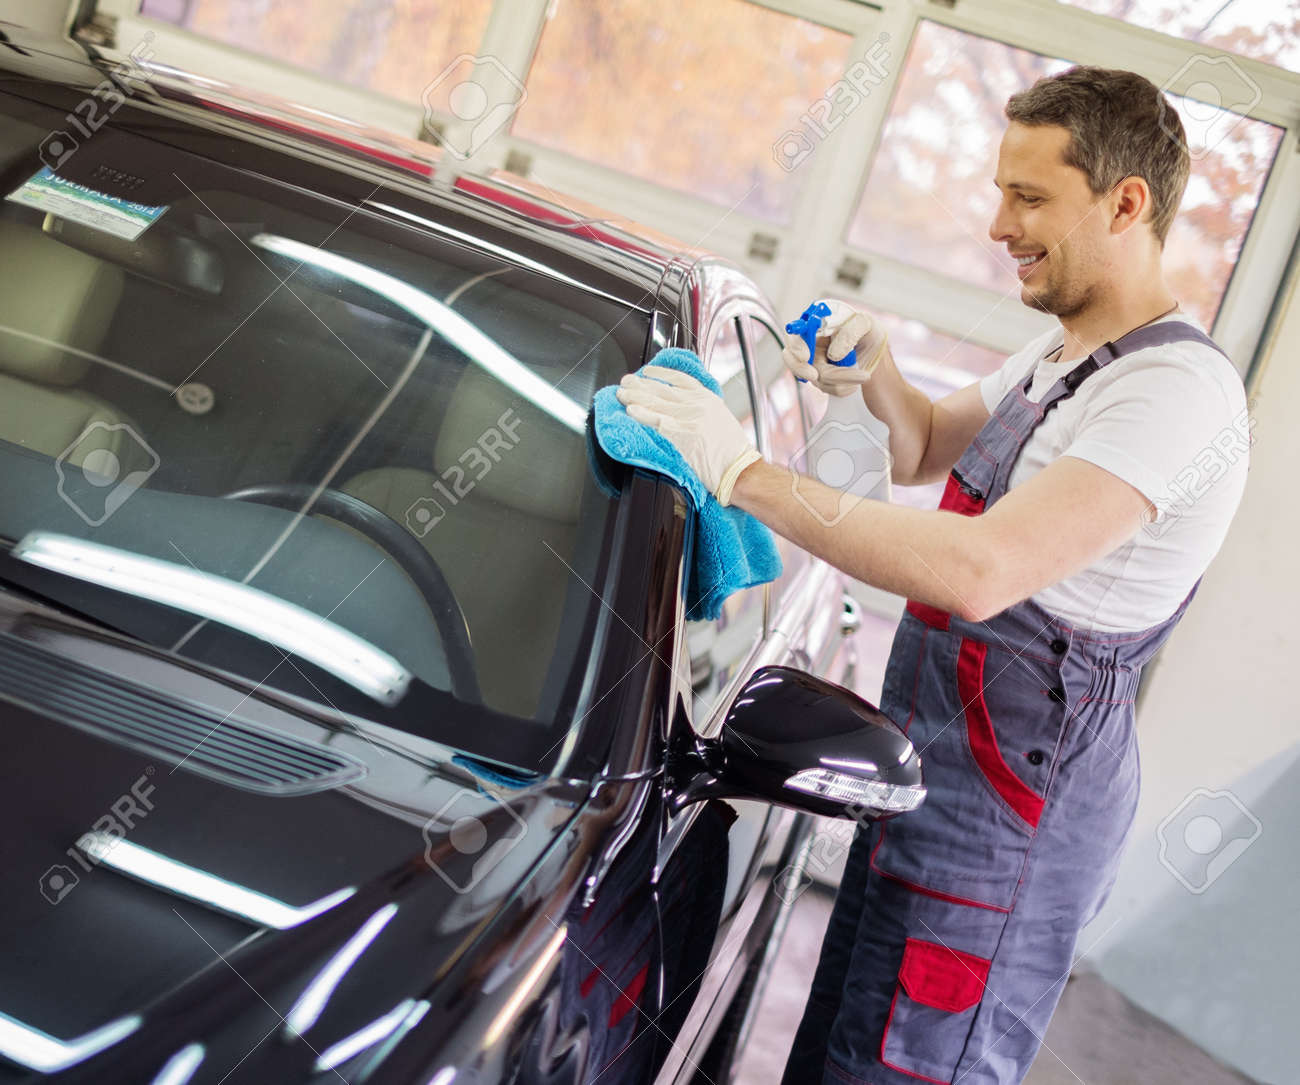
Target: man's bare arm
[925, 438]
[1069, 515]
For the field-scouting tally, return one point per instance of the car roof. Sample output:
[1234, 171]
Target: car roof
[595, 249]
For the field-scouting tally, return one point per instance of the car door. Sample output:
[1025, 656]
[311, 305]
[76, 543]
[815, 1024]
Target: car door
[809, 603]
[760, 839]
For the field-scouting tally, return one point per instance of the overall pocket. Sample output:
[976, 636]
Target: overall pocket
[960, 496]
[933, 1009]
[987, 730]
[1019, 715]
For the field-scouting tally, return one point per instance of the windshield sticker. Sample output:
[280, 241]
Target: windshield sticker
[47, 191]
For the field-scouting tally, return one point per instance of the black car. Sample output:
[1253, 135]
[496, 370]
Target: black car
[350, 729]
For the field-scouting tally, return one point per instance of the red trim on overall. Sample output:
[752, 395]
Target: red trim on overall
[841, 1074]
[628, 997]
[955, 499]
[947, 979]
[926, 891]
[932, 616]
[983, 741]
[916, 685]
[894, 1066]
[944, 979]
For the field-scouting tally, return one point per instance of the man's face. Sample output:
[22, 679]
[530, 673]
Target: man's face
[1050, 221]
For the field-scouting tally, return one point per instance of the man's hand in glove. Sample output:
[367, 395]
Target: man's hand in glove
[697, 422]
[844, 330]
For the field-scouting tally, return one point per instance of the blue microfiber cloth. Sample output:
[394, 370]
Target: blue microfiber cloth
[499, 776]
[733, 551]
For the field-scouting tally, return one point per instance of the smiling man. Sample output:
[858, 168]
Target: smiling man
[1090, 481]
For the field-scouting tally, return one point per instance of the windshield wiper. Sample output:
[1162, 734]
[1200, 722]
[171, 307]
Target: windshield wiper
[328, 645]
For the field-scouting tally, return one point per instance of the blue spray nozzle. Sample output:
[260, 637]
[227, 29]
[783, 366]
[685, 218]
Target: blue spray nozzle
[807, 327]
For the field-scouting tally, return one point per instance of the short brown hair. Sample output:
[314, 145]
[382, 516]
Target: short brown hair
[1120, 125]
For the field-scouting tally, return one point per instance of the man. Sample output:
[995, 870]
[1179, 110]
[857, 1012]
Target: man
[1083, 503]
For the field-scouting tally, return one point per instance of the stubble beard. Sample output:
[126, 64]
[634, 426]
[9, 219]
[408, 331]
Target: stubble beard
[1059, 300]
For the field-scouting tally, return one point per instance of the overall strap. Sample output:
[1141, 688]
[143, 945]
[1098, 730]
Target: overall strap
[1149, 335]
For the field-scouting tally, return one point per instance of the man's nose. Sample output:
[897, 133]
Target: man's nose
[1003, 228]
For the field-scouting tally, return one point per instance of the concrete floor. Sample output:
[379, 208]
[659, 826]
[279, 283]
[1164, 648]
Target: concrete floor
[1097, 1037]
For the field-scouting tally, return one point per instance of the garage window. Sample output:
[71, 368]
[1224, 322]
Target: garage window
[930, 197]
[1268, 31]
[690, 96]
[386, 46]
[921, 350]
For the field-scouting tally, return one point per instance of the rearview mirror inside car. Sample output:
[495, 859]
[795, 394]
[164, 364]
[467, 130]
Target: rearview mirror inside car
[799, 741]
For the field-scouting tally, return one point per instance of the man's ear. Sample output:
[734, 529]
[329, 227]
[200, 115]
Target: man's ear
[1130, 204]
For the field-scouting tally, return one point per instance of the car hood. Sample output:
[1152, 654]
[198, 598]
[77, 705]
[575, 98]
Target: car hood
[155, 900]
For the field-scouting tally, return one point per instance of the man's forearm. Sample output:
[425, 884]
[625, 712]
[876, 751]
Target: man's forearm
[933, 557]
[907, 411]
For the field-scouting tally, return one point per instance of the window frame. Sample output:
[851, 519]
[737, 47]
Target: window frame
[811, 249]
[731, 313]
[771, 603]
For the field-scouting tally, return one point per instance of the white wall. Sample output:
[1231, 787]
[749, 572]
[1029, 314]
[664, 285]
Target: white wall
[1218, 713]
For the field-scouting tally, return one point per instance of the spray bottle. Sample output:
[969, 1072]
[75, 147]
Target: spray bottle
[849, 447]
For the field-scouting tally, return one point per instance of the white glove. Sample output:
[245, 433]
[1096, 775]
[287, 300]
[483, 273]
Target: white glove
[844, 330]
[695, 420]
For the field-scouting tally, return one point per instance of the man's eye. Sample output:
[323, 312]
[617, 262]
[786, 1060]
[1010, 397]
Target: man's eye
[1032, 201]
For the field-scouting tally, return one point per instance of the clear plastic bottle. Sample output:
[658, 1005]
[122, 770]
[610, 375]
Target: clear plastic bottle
[848, 448]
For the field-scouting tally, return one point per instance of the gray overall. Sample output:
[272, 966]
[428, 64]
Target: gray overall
[955, 925]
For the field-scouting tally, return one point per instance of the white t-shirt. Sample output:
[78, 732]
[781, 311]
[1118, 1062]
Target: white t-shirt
[1172, 422]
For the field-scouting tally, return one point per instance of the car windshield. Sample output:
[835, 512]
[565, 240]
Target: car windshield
[329, 447]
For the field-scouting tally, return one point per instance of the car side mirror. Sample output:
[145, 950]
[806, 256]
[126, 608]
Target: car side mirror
[796, 740]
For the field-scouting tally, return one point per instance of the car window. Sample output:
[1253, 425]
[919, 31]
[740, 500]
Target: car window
[401, 418]
[785, 405]
[717, 647]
